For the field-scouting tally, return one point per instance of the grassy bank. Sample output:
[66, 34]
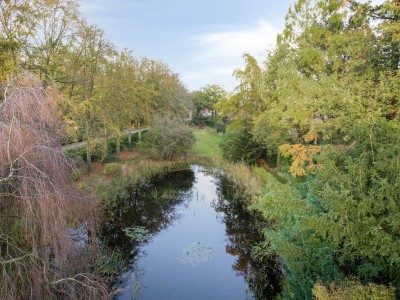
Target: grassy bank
[131, 166]
[108, 182]
[207, 143]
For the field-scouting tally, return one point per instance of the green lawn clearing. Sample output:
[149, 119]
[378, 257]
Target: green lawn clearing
[207, 142]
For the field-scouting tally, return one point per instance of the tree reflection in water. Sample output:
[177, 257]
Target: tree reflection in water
[151, 204]
[244, 231]
[155, 204]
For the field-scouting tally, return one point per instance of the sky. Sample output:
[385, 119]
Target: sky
[202, 40]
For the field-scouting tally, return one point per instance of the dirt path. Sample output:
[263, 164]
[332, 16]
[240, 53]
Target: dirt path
[80, 144]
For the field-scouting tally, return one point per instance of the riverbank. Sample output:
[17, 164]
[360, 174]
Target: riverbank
[107, 183]
[135, 164]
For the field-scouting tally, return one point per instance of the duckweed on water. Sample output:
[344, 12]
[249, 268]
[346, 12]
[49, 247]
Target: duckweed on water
[138, 233]
[196, 253]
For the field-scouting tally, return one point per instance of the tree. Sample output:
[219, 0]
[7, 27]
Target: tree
[37, 252]
[241, 109]
[15, 29]
[169, 138]
[207, 97]
[92, 52]
[329, 105]
[55, 22]
[118, 94]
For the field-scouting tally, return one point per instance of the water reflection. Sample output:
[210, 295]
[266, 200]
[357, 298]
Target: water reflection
[201, 240]
[149, 204]
[244, 231]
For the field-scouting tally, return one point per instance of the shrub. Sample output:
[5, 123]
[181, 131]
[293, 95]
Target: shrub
[77, 154]
[204, 121]
[113, 169]
[169, 138]
[353, 290]
[76, 174]
[239, 146]
[99, 152]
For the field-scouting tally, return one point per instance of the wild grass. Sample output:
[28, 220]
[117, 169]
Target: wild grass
[243, 178]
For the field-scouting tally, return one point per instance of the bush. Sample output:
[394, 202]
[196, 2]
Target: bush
[99, 152]
[77, 154]
[169, 138]
[353, 290]
[76, 174]
[239, 146]
[204, 121]
[113, 169]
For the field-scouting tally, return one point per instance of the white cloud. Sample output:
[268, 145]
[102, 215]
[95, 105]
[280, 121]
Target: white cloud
[216, 55]
[226, 45]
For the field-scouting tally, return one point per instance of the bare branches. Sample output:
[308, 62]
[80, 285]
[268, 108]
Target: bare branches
[34, 186]
[82, 279]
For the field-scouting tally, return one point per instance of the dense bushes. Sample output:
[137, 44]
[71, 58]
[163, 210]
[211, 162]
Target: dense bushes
[113, 169]
[238, 146]
[169, 138]
[327, 227]
[353, 290]
[204, 121]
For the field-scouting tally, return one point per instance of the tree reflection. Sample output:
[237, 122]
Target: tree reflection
[244, 230]
[151, 204]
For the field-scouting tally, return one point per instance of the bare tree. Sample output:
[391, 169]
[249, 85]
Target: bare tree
[36, 248]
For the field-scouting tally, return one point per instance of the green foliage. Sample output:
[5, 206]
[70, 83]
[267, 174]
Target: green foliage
[326, 99]
[202, 121]
[204, 99]
[304, 255]
[239, 146]
[77, 154]
[360, 204]
[108, 263]
[99, 152]
[112, 169]
[328, 226]
[353, 290]
[76, 174]
[169, 138]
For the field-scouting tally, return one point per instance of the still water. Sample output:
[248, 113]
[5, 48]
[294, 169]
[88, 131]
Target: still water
[185, 238]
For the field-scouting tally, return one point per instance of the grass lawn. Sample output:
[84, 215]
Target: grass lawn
[207, 142]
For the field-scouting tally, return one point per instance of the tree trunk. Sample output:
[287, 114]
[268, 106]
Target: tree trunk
[118, 150]
[129, 140]
[88, 155]
[107, 150]
[139, 134]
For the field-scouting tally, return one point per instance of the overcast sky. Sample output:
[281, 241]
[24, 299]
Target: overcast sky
[202, 40]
